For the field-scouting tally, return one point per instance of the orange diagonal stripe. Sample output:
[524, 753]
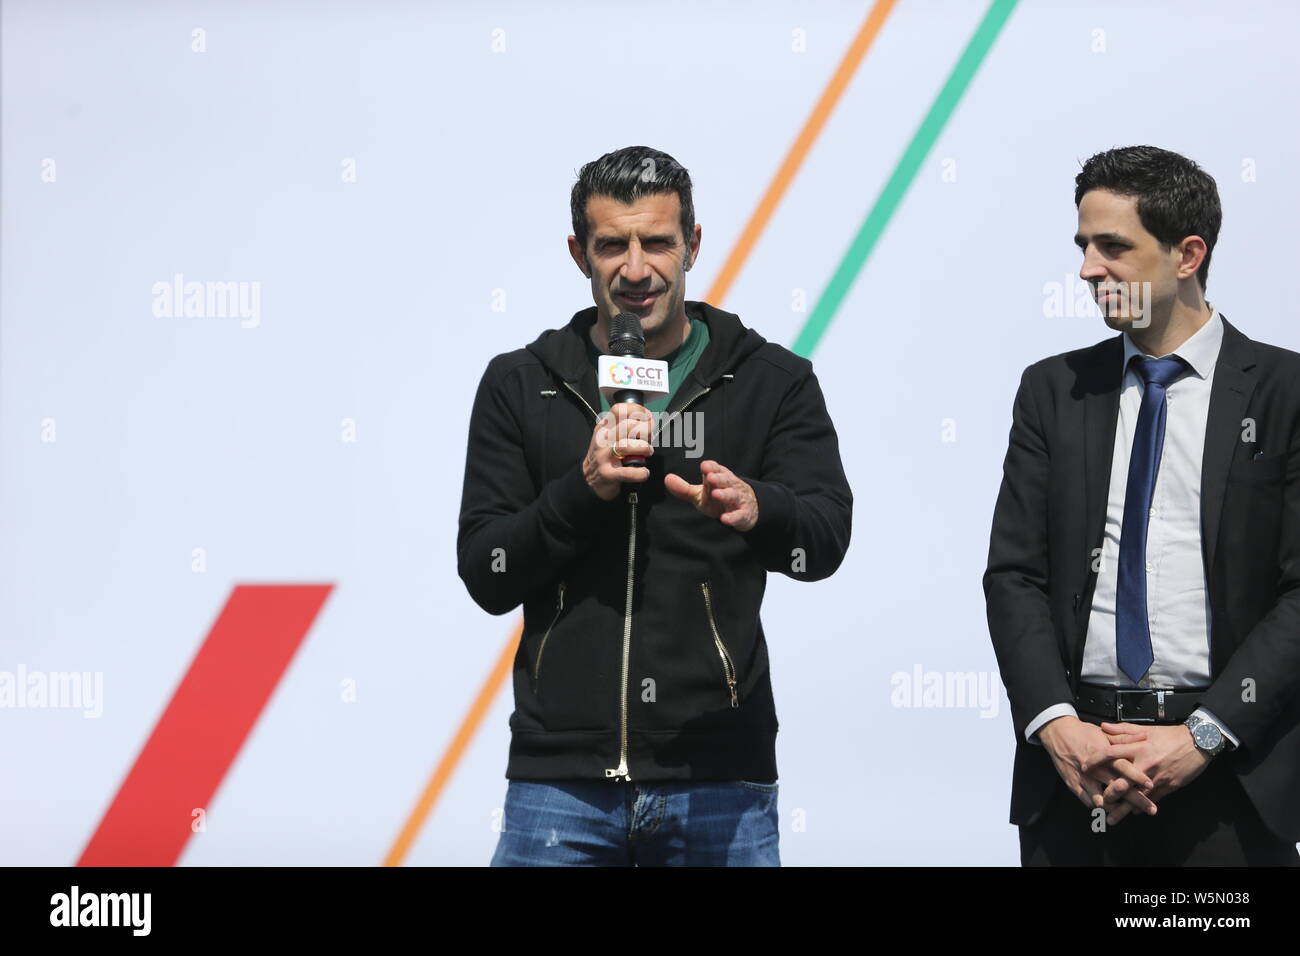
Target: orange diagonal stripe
[799, 151]
[762, 214]
[447, 766]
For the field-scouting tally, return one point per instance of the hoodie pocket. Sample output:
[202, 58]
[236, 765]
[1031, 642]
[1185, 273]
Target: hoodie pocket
[729, 676]
[541, 648]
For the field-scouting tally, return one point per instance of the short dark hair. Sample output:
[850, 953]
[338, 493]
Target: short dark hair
[1175, 197]
[627, 174]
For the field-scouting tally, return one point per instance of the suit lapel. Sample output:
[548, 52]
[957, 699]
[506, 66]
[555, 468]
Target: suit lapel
[1099, 379]
[1230, 392]
[1100, 414]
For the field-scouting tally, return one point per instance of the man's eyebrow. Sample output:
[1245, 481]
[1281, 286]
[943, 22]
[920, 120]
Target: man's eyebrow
[606, 240]
[1081, 240]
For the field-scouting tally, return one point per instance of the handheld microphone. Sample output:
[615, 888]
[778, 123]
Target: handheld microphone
[626, 375]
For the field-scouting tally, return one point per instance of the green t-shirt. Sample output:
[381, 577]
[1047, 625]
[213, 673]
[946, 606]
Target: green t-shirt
[680, 362]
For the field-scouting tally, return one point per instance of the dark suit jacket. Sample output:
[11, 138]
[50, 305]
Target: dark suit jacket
[1051, 514]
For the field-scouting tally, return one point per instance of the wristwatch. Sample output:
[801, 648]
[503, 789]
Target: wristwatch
[1206, 735]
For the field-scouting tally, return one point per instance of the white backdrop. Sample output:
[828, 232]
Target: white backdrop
[130, 439]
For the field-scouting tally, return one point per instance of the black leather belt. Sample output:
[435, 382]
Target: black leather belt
[1137, 705]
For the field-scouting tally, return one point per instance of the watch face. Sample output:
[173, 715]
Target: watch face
[1207, 736]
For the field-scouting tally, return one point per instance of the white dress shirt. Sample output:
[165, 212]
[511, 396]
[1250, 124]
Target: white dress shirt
[1178, 601]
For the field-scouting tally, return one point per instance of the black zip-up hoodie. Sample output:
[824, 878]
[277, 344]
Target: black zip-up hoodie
[642, 655]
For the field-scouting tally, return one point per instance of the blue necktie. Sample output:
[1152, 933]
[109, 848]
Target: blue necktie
[1132, 630]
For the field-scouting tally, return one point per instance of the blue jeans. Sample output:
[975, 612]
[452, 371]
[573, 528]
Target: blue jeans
[604, 823]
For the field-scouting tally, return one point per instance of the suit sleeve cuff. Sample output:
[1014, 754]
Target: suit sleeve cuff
[1051, 713]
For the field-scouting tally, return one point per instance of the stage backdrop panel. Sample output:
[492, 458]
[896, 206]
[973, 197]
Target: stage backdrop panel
[375, 196]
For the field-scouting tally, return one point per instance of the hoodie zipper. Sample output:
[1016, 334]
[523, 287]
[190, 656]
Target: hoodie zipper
[621, 771]
[687, 404]
[728, 669]
[537, 669]
[581, 399]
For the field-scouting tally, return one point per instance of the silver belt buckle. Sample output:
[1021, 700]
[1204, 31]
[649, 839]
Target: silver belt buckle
[1119, 705]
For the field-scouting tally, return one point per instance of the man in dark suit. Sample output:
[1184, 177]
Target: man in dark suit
[1143, 582]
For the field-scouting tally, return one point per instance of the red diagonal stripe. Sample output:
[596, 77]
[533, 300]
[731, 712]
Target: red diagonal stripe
[205, 724]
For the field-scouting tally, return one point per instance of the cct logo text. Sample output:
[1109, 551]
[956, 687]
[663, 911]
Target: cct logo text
[621, 374]
[102, 909]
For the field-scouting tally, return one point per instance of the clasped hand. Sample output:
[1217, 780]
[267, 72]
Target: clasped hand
[1122, 768]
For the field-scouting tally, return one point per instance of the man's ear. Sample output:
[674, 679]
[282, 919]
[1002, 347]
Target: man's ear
[1192, 252]
[578, 256]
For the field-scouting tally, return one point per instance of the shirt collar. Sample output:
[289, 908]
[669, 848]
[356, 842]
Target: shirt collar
[1201, 351]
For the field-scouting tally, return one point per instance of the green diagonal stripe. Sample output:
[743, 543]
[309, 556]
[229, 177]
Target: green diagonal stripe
[890, 197]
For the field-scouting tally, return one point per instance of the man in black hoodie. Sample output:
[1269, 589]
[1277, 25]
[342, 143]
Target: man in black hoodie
[644, 729]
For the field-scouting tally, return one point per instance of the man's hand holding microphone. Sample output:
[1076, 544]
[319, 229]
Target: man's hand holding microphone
[622, 432]
[620, 442]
